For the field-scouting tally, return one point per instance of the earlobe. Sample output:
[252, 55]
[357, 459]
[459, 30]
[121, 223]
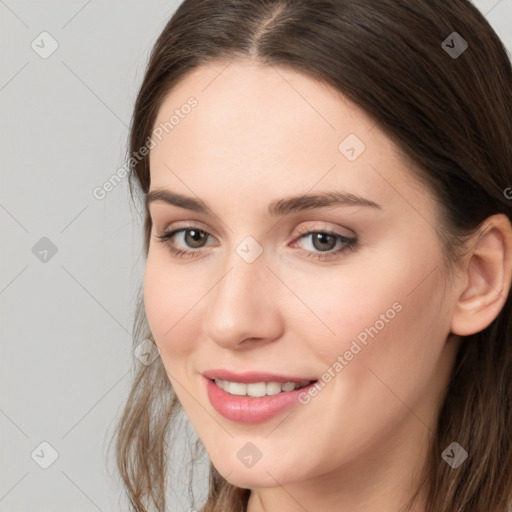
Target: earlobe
[487, 277]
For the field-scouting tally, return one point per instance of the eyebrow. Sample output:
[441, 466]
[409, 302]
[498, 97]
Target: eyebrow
[278, 207]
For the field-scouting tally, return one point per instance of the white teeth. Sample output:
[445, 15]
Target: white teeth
[237, 388]
[273, 388]
[258, 389]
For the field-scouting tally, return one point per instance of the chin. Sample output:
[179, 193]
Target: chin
[260, 475]
[248, 479]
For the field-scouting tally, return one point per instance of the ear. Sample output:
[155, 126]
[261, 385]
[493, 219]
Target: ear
[487, 277]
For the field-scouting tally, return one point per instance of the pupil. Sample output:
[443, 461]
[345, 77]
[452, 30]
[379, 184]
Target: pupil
[323, 238]
[196, 237]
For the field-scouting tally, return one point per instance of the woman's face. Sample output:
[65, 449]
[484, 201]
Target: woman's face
[349, 294]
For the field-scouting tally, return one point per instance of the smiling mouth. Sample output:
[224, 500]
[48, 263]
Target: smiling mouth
[259, 389]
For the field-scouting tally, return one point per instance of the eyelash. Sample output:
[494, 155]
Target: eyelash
[350, 243]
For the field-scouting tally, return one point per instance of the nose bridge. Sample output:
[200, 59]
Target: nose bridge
[240, 305]
[244, 274]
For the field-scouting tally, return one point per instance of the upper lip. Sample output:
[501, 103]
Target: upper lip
[248, 377]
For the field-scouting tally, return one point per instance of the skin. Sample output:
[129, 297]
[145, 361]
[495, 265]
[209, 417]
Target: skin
[258, 134]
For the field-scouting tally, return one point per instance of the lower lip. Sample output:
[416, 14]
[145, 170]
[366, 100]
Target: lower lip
[245, 409]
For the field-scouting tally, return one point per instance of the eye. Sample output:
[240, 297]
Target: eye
[191, 236]
[322, 242]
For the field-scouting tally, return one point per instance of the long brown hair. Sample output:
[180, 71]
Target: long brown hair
[450, 116]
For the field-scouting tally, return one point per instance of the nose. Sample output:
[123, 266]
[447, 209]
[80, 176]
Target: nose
[243, 307]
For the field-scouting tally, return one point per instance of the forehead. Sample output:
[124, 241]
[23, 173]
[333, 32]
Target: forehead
[254, 125]
[255, 102]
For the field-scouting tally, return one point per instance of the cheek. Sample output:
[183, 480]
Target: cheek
[399, 368]
[385, 314]
[169, 299]
[332, 304]
[390, 335]
[155, 301]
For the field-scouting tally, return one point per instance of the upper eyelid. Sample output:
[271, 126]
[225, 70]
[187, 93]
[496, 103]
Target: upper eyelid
[177, 227]
[154, 218]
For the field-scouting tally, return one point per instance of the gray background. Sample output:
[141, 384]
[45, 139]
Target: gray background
[66, 350]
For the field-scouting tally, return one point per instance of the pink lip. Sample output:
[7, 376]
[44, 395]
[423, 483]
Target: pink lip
[249, 377]
[245, 409]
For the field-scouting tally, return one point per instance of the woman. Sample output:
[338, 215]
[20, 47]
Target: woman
[329, 256]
